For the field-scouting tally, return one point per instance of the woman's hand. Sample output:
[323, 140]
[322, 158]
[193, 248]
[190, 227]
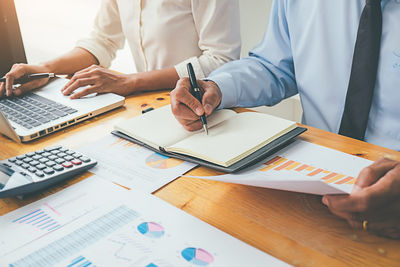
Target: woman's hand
[99, 80]
[374, 203]
[17, 71]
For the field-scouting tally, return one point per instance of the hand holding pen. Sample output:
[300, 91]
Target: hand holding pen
[29, 77]
[187, 109]
[197, 93]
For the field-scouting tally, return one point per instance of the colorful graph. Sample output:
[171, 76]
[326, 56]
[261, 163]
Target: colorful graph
[282, 164]
[81, 262]
[151, 229]
[151, 265]
[39, 219]
[197, 256]
[159, 161]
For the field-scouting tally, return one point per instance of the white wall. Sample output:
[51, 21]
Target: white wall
[254, 20]
[52, 27]
[254, 15]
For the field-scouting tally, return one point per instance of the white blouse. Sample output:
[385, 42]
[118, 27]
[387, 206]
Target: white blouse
[166, 33]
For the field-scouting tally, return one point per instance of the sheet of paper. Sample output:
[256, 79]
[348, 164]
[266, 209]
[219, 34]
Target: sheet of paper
[40, 218]
[132, 165]
[302, 167]
[137, 229]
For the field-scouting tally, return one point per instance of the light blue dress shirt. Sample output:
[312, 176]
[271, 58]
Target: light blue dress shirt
[308, 49]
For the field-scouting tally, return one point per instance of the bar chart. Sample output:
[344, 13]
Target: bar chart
[79, 239]
[282, 164]
[81, 262]
[39, 219]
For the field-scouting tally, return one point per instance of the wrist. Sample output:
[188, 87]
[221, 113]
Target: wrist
[137, 82]
[47, 67]
[133, 83]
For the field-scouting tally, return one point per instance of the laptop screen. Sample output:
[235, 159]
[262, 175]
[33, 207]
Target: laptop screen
[11, 45]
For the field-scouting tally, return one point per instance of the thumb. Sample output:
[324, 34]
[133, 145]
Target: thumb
[211, 98]
[186, 98]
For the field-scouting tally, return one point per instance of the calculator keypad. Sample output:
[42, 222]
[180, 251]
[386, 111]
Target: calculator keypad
[46, 163]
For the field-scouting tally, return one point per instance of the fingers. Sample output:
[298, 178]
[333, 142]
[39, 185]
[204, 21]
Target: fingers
[182, 95]
[385, 178]
[187, 109]
[2, 89]
[93, 76]
[211, 98]
[374, 172]
[17, 71]
[77, 83]
[85, 92]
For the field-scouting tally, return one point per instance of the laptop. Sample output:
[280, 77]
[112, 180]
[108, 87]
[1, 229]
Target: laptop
[47, 110]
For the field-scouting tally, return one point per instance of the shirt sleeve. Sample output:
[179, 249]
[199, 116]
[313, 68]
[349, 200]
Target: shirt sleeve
[218, 26]
[267, 76]
[107, 35]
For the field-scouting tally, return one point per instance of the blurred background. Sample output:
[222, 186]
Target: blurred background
[52, 27]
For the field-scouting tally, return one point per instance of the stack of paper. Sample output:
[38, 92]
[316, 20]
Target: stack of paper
[129, 229]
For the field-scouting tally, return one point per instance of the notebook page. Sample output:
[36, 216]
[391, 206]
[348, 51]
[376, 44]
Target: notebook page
[235, 138]
[159, 128]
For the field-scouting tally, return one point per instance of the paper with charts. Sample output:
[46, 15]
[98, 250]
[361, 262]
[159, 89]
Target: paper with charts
[302, 167]
[132, 229]
[42, 217]
[132, 165]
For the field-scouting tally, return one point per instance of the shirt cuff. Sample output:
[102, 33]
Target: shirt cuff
[227, 87]
[181, 68]
[97, 51]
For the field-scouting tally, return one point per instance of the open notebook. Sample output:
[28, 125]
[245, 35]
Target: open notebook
[235, 140]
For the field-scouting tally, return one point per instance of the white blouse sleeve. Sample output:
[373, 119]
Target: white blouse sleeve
[218, 26]
[107, 36]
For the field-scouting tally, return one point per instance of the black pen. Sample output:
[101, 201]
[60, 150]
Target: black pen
[197, 93]
[30, 77]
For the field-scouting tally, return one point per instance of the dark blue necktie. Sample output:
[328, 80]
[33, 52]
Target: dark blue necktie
[363, 72]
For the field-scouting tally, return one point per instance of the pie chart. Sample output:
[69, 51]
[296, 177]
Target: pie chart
[158, 161]
[197, 256]
[151, 229]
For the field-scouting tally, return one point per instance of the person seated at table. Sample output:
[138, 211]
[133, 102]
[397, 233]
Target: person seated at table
[163, 36]
[342, 58]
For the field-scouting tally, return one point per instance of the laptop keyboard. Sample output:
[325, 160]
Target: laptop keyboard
[32, 110]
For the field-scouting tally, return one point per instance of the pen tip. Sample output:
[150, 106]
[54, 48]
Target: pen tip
[205, 128]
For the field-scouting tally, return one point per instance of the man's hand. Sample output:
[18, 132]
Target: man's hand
[187, 109]
[375, 199]
[99, 80]
[17, 71]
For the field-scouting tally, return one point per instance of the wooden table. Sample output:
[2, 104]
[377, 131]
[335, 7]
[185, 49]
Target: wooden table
[293, 227]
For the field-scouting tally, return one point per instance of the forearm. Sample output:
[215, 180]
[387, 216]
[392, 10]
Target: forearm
[71, 62]
[155, 80]
[252, 82]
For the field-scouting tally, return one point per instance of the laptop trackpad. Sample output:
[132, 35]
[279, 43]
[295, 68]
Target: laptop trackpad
[80, 89]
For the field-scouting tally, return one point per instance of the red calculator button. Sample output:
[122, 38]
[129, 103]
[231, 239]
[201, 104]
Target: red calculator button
[67, 164]
[76, 162]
